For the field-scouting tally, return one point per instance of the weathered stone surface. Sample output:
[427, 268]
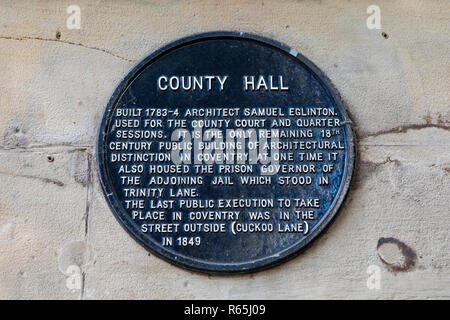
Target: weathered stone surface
[406, 199]
[42, 214]
[53, 92]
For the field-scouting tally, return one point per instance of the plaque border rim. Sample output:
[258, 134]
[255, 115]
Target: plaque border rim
[245, 268]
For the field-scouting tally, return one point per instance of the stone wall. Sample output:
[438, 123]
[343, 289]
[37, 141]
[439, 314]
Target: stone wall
[59, 239]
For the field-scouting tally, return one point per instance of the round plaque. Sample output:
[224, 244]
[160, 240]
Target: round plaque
[225, 152]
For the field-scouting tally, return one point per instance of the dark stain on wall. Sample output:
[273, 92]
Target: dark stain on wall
[396, 255]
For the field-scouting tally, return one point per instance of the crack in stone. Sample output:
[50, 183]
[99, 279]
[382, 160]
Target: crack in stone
[376, 164]
[46, 180]
[22, 38]
[405, 128]
[86, 215]
[44, 146]
[88, 192]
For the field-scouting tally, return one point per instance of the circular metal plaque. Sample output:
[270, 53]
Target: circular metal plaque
[225, 152]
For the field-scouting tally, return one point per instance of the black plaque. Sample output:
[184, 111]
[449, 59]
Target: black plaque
[225, 152]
